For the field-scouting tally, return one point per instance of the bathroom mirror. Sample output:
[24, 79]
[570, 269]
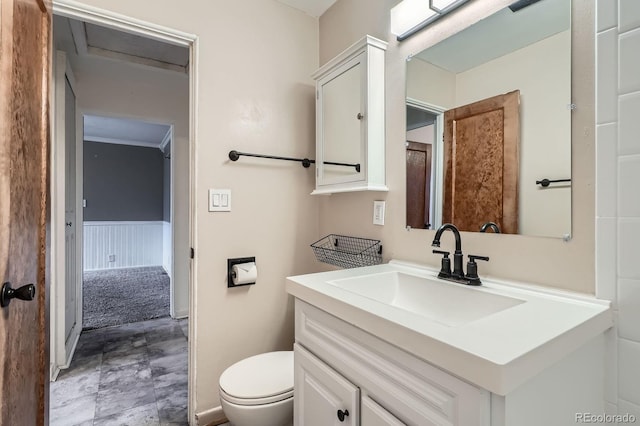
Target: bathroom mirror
[488, 116]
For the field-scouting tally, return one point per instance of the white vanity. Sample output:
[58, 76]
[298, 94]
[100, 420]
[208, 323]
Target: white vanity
[392, 344]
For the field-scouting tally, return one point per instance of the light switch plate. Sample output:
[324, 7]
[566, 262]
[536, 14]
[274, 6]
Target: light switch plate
[378, 212]
[219, 200]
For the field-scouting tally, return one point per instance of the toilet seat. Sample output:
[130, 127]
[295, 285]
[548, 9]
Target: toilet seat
[255, 401]
[258, 380]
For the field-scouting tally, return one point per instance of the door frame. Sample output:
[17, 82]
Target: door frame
[60, 354]
[106, 18]
[438, 155]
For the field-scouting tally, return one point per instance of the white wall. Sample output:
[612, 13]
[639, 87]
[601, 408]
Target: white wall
[424, 134]
[167, 251]
[617, 200]
[542, 73]
[113, 88]
[430, 84]
[254, 94]
[545, 261]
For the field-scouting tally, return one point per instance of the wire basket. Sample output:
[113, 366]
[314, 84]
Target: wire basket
[348, 252]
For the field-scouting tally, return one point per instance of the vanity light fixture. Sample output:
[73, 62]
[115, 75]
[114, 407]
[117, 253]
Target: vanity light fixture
[411, 16]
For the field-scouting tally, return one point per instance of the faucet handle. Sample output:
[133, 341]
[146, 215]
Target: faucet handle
[445, 267]
[472, 269]
[473, 258]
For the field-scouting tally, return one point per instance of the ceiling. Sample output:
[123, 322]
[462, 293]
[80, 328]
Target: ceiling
[89, 40]
[499, 34]
[311, 7]
[125, 131]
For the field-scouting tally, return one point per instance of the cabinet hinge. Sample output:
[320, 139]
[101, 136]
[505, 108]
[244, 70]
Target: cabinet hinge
[317, 94]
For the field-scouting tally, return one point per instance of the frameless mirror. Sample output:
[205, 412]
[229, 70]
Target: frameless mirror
[488, 141]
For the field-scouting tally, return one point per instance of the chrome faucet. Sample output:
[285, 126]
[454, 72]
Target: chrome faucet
[458, 275]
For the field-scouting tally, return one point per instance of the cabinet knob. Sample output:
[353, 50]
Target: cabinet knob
[359, 116]
[342, 415]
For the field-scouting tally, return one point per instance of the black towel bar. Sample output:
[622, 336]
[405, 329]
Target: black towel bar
[545, 182]
[235, 155]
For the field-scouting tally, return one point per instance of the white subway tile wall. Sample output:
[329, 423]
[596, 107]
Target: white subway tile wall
[617, 195]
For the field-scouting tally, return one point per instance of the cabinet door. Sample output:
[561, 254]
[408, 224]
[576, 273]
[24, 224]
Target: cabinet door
[373, 414]
[322, 396]
[342, 112]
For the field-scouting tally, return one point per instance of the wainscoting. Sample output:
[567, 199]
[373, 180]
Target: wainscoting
[109, 245]
[166, 247]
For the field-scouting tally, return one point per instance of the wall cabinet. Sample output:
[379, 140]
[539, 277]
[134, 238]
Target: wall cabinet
[350, 121]
[340, 367]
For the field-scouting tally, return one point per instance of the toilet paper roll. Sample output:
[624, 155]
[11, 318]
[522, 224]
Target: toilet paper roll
[244, 273]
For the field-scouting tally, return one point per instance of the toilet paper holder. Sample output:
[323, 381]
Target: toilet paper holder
[230, 273]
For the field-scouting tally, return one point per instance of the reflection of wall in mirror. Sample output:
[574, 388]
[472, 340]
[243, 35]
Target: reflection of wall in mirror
[541, 72]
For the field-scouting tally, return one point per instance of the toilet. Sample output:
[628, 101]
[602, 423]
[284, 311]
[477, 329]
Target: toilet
[258, 391]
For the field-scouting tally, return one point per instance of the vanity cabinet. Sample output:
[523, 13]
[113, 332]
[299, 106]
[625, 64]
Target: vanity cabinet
[322, 394]
[350, 122]
[340, 367]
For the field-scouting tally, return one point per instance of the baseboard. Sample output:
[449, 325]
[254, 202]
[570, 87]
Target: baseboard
[124, 267]
[211, 417]
[181, 314]
[72, 351]
[56, 369]
[53, 373]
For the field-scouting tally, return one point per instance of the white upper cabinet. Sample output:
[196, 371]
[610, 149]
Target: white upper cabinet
[350, 129]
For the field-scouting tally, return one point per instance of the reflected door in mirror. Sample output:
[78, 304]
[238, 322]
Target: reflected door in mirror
[481, 164]
[419, 163]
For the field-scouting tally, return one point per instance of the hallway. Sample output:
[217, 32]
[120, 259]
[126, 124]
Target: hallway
[134, 374]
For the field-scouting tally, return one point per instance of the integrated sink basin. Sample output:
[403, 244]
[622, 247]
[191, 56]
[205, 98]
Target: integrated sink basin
[497, 336]
[443, 302]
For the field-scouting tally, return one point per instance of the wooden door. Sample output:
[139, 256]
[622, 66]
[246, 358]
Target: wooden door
[322, 394]
[481, 164]
[24, 143]
[418, 185]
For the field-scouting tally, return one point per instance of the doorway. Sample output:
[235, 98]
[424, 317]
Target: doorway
[127, 221]
[423, 165]
[148, 349]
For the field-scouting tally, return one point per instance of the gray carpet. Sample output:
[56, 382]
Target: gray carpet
[122, 296]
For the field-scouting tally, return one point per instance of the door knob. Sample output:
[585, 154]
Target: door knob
[359, 116]
[26, 292]
[342, 415]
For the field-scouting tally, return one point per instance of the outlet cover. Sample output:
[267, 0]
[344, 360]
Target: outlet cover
[378, 212]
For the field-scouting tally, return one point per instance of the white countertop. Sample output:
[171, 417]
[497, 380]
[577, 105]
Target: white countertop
[498, 352]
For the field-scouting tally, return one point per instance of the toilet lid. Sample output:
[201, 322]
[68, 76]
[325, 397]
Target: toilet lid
[259, 376]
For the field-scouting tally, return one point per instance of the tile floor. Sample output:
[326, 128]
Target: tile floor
[133, 374]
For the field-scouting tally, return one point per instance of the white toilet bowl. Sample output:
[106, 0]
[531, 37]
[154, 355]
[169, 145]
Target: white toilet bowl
[258, 391]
